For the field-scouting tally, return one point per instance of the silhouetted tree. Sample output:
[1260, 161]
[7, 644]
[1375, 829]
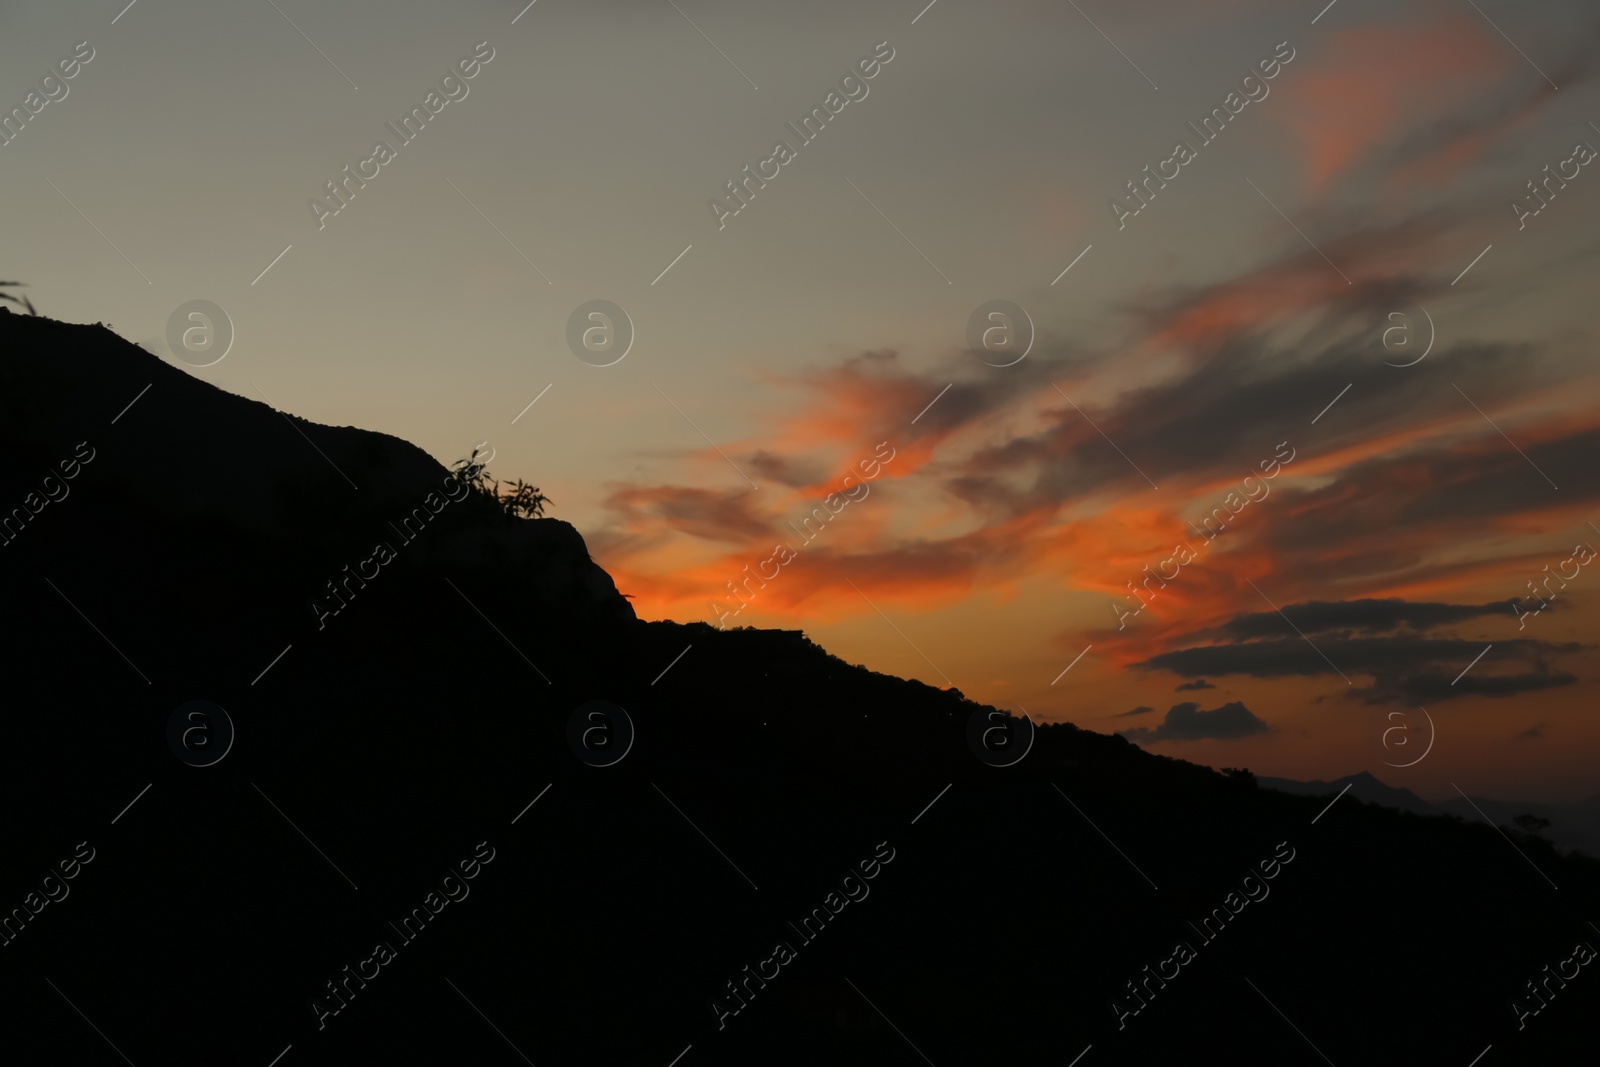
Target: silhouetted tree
[1531, 824]
[518, 500]
[473, 473]
[522, 500]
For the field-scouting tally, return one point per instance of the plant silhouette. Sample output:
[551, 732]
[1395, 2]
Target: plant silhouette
[518, 499]
[523, 500]
[23, 300]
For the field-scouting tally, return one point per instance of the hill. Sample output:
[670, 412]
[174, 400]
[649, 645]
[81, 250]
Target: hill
[794, 860]
[1573, 827]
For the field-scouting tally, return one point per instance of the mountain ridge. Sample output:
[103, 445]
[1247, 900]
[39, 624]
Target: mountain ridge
[1575, 825]
[445, 705]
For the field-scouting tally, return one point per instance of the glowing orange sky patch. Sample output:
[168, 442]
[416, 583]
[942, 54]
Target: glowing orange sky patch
[1373, 81]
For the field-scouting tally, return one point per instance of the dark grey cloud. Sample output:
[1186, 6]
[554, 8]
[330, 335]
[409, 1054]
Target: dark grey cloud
[1487, 121]
[1241, 389]
[1532, 733]
[1140, 710]
[1406, 667]
[713, 515]
[1364, 616]
[776, 468]
[1241, 394]
[1436, 686]
[1428, 493]
[1198, 683]
[1186, 722]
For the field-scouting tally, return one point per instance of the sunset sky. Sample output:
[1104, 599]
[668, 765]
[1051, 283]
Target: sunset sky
[1356, 211]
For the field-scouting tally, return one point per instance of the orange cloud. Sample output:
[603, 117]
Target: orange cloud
[1374, 81]
[1222, 312]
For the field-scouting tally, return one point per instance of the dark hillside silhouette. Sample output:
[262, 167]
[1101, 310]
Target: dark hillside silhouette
[1027, 913]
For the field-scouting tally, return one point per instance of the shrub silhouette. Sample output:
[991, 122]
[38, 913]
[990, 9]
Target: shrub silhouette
[523, 500]
[472, 473]
[519, 499]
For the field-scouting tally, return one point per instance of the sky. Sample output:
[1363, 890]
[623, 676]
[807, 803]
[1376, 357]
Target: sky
[1323, 322]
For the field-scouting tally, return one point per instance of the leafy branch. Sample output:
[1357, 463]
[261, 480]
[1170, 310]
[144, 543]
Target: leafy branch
[23, 300]
[517, 499]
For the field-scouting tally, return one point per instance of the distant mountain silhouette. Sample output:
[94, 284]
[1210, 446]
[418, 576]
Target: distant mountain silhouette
[1363, 786]
[1016, 914]
[1573, 826]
